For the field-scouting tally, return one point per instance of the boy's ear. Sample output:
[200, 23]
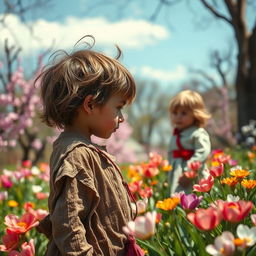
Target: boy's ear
[88, 104]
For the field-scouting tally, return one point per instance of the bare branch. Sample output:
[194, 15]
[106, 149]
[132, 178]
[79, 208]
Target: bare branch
[215, 12]
[206, 76]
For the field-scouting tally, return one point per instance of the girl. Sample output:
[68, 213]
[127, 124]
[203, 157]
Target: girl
[89, 203]
[190, 141]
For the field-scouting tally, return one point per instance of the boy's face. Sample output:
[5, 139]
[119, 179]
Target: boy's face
[108, 117]
[182, 118]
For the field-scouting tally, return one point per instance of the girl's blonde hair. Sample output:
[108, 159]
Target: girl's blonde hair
[66, 83]
[192, 101]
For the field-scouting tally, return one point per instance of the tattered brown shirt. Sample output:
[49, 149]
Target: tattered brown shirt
[88, 202]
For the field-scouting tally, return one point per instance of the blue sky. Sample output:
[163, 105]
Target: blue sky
[163, 50]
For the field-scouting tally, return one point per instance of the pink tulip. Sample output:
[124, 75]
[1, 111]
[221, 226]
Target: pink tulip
[190, 201]
[150, 171]
[155, 159]
[143, 227]
[190, 174]
[142, 205]
[216, 171]
[28, 249]
[194, 166]
[3, 195]
[253, 219]
[204, 185]
[42, 195]
[22, 225]
[236, 211]
[10, 241]
[6, 182]
[205, 219]
[146, 193]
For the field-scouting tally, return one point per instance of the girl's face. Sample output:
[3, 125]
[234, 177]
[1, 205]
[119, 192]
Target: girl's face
[108, 117]
[182, 118]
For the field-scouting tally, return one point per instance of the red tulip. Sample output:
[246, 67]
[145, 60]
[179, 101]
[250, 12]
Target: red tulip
[236, 211]
[204, 185]
[10, 241]
[216, 171]
[205, 219]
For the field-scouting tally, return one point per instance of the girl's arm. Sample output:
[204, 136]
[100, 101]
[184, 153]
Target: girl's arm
[202, 146]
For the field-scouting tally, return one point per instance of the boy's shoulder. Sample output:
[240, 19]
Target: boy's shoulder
[72, 147]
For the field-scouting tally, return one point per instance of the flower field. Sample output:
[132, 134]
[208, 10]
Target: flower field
[217, 217]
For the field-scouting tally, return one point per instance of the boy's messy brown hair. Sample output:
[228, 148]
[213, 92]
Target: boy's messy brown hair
[193, 101]
[66, 83]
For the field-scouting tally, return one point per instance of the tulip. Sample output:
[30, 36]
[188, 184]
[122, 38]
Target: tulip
[22, 225]
[205, 219]
[194, 166]
[10, 241]
[146, 193]
[27, 163]
[190, 202]
[151, 171]
[141, 206]
[204, 185]
[190, 174]
[253, 219]
[143, 227]
[5, 181]
[3, 195]
[236, 211]
[155, 158]
[28, 249]
[216, 171]
[223, 245]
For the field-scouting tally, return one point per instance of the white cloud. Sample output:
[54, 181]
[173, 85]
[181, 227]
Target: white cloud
[180, 72]
[125, 33]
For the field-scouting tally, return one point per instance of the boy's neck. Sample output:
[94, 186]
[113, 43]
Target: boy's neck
[78, 131]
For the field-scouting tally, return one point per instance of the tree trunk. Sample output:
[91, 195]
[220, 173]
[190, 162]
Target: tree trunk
[246, 80]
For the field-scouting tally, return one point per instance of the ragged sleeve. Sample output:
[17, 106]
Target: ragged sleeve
[77, 198]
